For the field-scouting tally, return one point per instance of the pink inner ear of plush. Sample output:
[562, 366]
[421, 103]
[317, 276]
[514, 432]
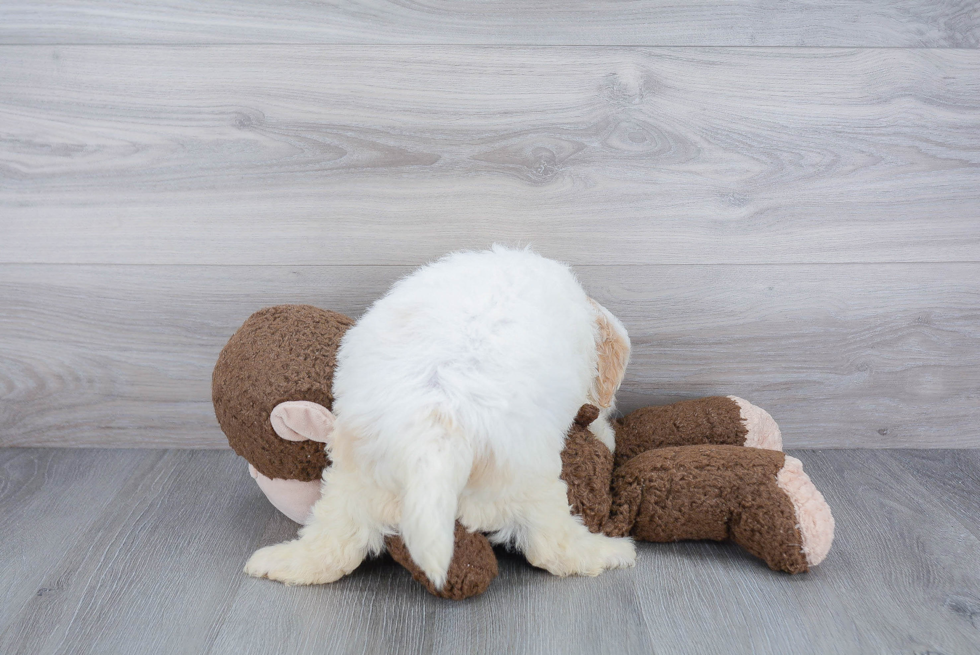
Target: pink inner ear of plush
[301, 420]
[294, 498]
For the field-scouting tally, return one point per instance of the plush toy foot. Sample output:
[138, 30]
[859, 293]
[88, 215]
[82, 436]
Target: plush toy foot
[761, 430]
[718, 420]
[813, 518]
[293, 563]
[760, 499]
[473, 567]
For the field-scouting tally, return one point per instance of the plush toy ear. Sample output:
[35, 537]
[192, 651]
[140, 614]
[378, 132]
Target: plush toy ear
[613, 348]
[302, 420]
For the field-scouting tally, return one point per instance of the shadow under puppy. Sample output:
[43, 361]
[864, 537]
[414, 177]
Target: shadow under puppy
[681, 471]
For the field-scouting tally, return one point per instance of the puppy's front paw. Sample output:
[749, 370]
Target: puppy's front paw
[291, 563]
[608, 553]
[589, 555]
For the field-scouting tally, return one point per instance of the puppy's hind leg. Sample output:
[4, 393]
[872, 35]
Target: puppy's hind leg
[341, 531]
[553, 539]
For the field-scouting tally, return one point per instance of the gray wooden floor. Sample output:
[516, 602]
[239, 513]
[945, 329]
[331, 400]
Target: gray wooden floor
[780, 199]
[141, 551]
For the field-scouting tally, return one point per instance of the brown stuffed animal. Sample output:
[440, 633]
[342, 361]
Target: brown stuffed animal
[701, 469]
[758, 497]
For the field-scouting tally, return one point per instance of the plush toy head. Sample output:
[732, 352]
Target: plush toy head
[277, 414]
[272, 393]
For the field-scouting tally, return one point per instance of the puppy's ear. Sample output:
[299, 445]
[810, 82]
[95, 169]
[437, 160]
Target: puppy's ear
[613, 349]
[302, 420]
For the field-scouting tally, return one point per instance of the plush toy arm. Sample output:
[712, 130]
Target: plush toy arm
[720, 420]
[473, 567]
[760, 499]
[587, 469]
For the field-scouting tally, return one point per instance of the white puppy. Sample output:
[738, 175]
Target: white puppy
[454, 393]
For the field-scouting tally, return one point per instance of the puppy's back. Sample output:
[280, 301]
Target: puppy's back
[500, 341]
[482, 355]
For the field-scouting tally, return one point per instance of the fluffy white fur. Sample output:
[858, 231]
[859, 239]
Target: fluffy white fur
[454, 393]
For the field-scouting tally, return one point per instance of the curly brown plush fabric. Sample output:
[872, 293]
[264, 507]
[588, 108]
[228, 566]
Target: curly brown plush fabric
[473, 567]
[709, 492]
[286, 352]
[712, 420]
[685, 492]
[587, 468]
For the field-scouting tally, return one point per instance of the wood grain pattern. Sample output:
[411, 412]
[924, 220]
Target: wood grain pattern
[952, 477]
[157, 566]
[842, 355]
[136, 575]
[49, 503]
[393, 155]
[890, 23]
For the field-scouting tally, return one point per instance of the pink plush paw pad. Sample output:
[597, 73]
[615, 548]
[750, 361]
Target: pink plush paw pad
[813, 517]
[762, 429]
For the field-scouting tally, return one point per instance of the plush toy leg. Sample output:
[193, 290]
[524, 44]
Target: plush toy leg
[814, 520]
[720, 420]
[760, 499]
[473, 567]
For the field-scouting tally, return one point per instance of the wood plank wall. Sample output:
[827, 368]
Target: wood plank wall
[781, 200]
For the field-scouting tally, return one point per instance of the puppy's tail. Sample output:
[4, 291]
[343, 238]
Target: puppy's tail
[439, 465]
